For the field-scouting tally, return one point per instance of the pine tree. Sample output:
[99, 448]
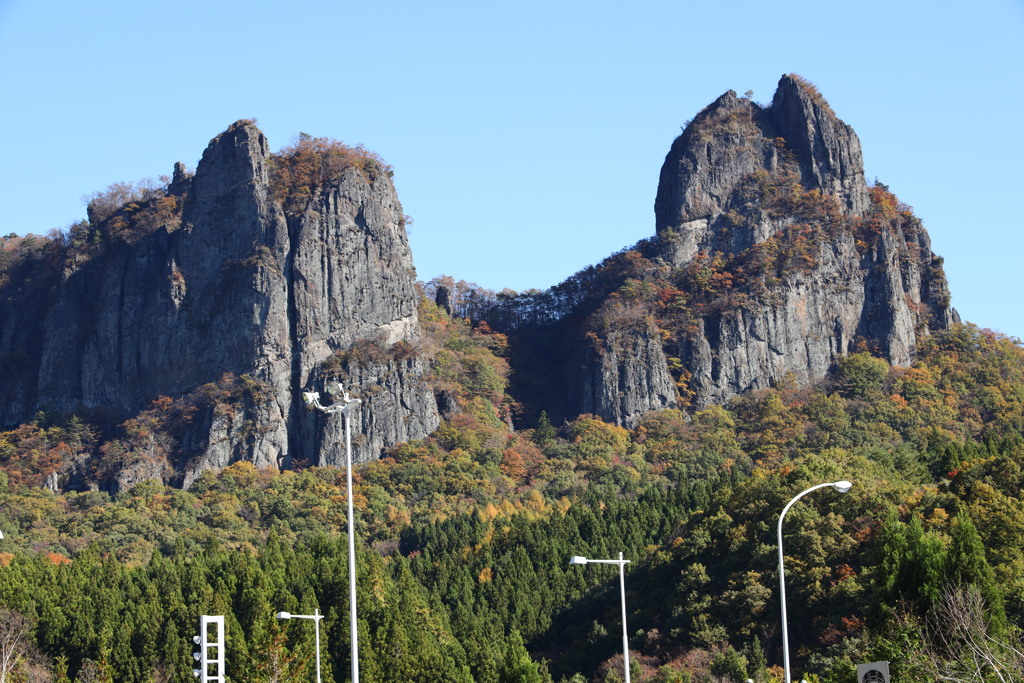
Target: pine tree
[545, 432]
[966, 564]
[518, 666]
[912, 565]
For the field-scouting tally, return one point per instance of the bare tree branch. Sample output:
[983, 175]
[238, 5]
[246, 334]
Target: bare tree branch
[959, 644]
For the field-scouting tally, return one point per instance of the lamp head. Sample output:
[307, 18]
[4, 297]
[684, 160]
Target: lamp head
[334, 388]
[310, 397]
[284, 615]
[578, 559]
[842, 486]
[197, 639]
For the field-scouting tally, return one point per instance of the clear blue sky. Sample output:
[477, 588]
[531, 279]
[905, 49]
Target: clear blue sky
[526, 137]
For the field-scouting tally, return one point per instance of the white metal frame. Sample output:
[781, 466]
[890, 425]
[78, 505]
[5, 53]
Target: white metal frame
[204, 643]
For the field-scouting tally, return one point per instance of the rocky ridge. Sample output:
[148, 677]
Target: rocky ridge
[223, 296]
[233, 275]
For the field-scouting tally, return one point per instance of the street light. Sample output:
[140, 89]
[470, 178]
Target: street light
[343, 404]
[577, 559]
[316, 617]
[842, 487]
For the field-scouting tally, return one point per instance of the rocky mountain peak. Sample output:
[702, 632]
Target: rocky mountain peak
[720, 144]
[772, 259]
[827, 149]
[235, 158]
[732, 140]
[231, 291]
[180, 180]
[795, 259]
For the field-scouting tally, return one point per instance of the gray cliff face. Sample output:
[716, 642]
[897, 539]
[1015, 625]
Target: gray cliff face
[861, 281]
[627, 377]
[726, 141]
[178, 307]
[352, 270]
[353, 281]
[849, 301]
[233, 284]
[394, 408]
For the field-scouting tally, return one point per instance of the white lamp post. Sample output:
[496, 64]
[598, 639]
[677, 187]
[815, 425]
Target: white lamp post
[316, 617]
[842, 487]
[344, 405]
[576, 559]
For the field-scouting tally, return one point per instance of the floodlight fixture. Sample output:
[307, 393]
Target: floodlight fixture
[345, 405]
[211, 650]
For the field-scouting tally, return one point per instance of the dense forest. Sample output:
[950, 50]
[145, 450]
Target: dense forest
[464, 537]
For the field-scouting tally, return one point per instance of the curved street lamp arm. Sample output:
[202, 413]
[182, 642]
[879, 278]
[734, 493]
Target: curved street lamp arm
[798, 497]
[782, 571]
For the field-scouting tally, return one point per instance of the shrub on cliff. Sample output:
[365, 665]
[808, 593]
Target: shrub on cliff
[310, 163]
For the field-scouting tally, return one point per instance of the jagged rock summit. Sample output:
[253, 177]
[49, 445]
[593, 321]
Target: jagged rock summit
[735, 137]
[772, 258]
[229, 293]
[777, 197]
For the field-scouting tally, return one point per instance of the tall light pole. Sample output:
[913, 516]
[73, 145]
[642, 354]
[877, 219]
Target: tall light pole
[345, 405]
[316, 617]
[576, 559]
[842, 487]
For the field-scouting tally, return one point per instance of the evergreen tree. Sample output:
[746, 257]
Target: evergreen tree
[545, 432]
[518, 667]
[966, 564]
